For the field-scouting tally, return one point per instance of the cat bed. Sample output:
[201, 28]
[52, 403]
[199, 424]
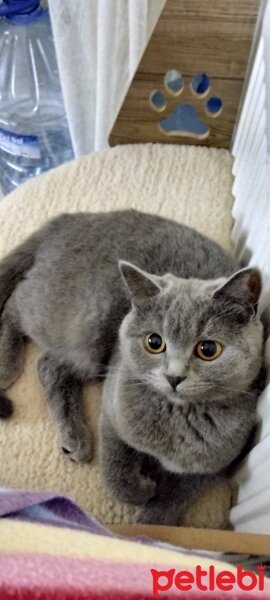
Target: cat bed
[189, 184]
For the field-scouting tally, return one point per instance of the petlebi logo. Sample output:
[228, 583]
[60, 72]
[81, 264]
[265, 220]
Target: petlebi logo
[207, 580]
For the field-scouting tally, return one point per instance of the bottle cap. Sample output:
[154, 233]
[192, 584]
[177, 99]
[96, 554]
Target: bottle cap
[21, 11]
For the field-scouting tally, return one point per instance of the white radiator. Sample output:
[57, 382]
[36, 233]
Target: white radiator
[251, 234]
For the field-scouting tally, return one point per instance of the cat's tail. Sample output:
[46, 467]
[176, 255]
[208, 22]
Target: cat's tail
[6, 406]
[13, 268]
[15, 265]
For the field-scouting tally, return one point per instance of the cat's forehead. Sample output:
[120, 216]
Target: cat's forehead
[182, 315]
[191, 288]
[184, 307]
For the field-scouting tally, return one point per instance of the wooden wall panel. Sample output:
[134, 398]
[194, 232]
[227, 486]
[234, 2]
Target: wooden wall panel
[192, 36]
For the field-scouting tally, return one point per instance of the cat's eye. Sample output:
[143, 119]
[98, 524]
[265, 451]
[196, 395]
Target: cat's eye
[208, 350]
[154, 343]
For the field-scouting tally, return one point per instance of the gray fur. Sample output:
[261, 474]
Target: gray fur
[158, 446]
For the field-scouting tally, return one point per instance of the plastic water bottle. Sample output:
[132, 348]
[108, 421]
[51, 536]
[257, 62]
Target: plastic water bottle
[34, 133]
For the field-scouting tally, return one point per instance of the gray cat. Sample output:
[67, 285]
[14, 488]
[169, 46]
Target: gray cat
[179, 331]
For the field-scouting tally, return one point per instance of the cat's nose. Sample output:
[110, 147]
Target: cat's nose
[174, 380]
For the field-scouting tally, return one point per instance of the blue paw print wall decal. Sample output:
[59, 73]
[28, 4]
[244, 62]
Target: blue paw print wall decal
[184, 120]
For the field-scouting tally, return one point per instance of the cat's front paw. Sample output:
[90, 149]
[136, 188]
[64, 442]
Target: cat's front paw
[156, 513]
[135, 490]
[145, 490]
[76, 443]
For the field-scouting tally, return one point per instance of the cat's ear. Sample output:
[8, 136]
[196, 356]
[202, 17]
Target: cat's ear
[142, 285]
[244, 287]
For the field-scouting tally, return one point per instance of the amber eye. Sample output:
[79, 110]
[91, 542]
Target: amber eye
[154, 343]
[208, 350]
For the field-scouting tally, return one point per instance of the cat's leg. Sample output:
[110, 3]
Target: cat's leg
[122, 468]
[11, 357]
[175, 494]
[11, 349]
[63, 392]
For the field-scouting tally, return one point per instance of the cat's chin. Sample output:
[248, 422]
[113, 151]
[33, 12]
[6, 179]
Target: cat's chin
[183, 399]
[177, 399]
[174, 397]
[181, 396]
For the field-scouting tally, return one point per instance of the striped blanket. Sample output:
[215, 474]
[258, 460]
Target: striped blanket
[50, 550]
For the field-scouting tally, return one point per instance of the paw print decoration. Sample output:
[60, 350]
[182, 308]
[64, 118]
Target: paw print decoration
[183, 119]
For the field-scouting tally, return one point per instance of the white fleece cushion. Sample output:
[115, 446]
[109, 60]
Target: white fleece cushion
[189, 184]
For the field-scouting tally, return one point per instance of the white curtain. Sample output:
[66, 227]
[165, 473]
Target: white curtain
[251, 234]
[99, 44]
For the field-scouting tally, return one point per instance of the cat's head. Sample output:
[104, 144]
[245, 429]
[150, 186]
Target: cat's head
[192, 340]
